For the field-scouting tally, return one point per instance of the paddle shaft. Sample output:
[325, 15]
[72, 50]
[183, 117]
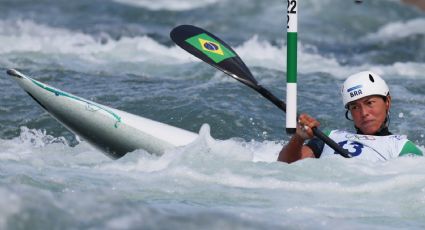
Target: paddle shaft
[214, 51]
[319, 134]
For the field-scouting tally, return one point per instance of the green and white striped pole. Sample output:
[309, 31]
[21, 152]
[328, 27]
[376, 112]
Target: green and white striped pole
[291, 67]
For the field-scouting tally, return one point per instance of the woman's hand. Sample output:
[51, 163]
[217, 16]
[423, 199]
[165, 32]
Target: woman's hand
[305, 125]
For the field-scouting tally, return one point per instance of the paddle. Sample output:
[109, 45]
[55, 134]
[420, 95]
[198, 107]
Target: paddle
[217, 53]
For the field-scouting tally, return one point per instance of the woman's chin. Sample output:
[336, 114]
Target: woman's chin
[369, 130]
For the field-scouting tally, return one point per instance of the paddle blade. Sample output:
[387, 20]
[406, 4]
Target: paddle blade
[217, 53]
[213, 51]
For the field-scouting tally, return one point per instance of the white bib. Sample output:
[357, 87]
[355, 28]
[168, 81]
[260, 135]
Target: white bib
[373, 148]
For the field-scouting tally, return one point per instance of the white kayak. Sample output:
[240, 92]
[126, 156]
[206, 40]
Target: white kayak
[113, 131]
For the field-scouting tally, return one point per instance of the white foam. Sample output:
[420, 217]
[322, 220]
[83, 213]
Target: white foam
[168, 4]
[37, 148]
[224, 175]
[85, 52]
[398, 30]
[25, 36]
[10, 204]
[88, 52]
[262, 54]
[39, 138]
[204, 147]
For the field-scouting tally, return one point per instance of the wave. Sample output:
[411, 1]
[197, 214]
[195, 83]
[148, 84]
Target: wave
[398, 30]
[231, 163]
[27, 44]
[263, 54]
[168, 4]
[77, 50]
[224, 175]
[28, 36]
[32, 142]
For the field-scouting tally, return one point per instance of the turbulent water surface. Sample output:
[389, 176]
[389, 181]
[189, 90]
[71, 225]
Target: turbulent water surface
[118, 53]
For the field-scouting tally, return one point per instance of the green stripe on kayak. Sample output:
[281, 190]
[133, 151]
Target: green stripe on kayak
[60, 93]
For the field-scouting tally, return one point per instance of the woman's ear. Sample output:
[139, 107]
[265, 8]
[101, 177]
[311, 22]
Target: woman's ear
[388, 103]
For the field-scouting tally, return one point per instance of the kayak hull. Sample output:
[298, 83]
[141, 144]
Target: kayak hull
[113, 131]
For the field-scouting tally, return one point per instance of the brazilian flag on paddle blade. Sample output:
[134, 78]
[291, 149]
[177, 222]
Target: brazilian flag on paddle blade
[210, 47]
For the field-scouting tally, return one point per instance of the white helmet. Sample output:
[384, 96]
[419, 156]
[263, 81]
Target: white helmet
[361, 85]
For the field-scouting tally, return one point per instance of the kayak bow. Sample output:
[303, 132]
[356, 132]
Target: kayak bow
[113, 131]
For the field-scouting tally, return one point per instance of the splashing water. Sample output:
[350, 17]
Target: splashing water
[119, 53]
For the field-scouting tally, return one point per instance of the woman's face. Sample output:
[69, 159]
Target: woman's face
[369, 113]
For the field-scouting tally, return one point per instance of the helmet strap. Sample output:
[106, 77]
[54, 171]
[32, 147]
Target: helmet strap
[347, 116]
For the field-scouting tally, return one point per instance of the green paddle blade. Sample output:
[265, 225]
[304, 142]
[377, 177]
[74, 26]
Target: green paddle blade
[213, 51]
